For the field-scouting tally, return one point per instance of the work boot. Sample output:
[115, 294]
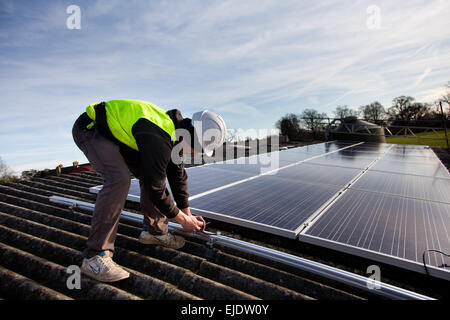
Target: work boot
[167, 240]
[102, 268]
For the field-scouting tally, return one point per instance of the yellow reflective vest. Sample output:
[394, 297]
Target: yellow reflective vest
[121, 115]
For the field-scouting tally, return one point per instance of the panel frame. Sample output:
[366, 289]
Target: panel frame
[130, 197]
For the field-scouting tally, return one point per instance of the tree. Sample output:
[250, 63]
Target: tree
[6, 174]
[445, 101]
[445, 98]
[313, 120]
[342, 112]
[405, 108]
[420, 111]
[373, 112]
[400, 108]
[289, 125]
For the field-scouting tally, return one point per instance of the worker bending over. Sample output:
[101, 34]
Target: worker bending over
[124, 137]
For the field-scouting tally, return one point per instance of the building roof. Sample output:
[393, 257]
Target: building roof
[39, 239]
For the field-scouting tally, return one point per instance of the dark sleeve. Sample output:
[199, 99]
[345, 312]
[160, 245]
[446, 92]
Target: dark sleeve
[178, 184]
[155, 149]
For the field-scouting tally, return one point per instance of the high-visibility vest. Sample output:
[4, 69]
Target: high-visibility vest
[121, 115]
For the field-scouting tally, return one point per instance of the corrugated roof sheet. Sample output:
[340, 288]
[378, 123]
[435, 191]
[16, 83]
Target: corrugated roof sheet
[40, 239]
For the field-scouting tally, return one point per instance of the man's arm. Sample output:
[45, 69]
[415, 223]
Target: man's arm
[178, 180]
[154, 149]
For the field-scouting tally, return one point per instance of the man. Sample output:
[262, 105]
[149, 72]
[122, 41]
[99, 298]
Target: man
[120, 137]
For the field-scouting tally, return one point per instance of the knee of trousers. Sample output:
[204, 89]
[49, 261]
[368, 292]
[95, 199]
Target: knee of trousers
[120, 183]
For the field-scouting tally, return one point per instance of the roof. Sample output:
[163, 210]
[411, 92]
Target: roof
[39, 239]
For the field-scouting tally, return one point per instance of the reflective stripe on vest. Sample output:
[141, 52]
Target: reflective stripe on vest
[121, 115]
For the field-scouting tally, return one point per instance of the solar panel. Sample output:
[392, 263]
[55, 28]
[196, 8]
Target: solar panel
[308, 172]
[430, 169]
[336, 159]
[256, 165]
[369, 148]
[387, 228]
[323, 148]
[294, 156]
[420, 187]
[200, 179]
[203, 178]
[407, 151]
[411, 158]
[359, 154]
[206, 178]
[266, 203]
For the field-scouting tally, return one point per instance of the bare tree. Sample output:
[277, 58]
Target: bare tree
[400, 108]
[289, 125]
[313, 120]
[420, 111]
[445, 101]
[342, 112]
[6, 174]
[373, 112]
[445, 98]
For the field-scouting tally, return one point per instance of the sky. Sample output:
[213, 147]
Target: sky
[250, 61]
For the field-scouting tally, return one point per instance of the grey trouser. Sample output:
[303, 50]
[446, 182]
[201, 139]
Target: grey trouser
[105, 157]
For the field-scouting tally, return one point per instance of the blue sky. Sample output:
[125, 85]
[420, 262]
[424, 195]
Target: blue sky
[250, 61]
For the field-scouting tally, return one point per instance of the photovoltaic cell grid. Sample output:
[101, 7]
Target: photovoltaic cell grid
[393, 213]
[412, 186]
[390, 226]
[263, 204]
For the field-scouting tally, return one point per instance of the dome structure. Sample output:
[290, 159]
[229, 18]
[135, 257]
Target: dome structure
[352, 128]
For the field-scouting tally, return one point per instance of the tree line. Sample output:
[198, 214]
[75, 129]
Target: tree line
[404, 110]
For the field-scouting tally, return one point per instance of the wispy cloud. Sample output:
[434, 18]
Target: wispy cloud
[251, 60]
[425, 73]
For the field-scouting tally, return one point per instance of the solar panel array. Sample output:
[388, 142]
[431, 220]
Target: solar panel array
[386, 202]
[394, 213]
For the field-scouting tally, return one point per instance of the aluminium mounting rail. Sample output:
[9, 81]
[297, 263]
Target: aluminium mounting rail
[345, 277]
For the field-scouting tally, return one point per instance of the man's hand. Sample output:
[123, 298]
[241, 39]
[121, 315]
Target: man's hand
[189, 222]
[187, 211]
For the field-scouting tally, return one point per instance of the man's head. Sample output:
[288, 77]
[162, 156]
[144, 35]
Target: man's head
[209, 132]
[203, 133]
